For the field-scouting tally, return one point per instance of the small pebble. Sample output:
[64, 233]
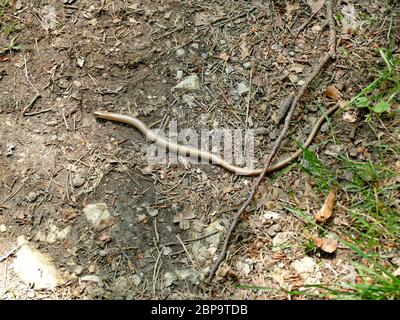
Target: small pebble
[103, 253]
[324, 127]
[80, 62]
[78, 270]
[179, 74]
[273, 230]
[311, 107]
[247, 65]
[9, 149]
[3, 228]
[180, 52]
[353, 152]
[31, 196]
[78, 180]
[273, 135]
[18, 5]
[307, 130]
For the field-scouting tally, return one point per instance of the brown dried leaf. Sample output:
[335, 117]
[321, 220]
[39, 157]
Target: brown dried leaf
[183, 218]
[326, 211]
[315, 5]
[257, 80]
[244, 50]
[325, 244]
[69, 214]
[225, 271]
[224, 56]
[333, 92]
[105, 237]
[262, 194]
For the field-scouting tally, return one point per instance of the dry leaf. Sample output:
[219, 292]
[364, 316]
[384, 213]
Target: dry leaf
[315, 5]
[224, 56]
[325, 244]
[105, 237]
[183, 218]
[223, 271]
[257, 81]
[201, 19]
[333, 92]
[245, 51]
[297, 68]
[262, 194]
[350, 116]
[326, 211]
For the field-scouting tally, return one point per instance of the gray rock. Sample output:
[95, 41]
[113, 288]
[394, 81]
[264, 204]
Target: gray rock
[229, 69]
[96, 213]
[281, 239]
[304, 265]
[152, 211]
[31, 196]
[191, 82]
[136, 279]
[91, 278]
[353, 152]
[271, 215]
[324, 127]
[78, 180]
[273, 230]
[169, 279]
[78, 270]
[247, 65]
[9, 149]
[179, 74]
[35, 268]
[180, 53]
[80, 62]
[241, 88]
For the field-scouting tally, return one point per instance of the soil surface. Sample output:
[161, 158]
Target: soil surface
[71, 58]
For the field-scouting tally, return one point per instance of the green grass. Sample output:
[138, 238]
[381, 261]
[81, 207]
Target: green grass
[3, 5]
[11, 28]
[379, 96]
[367, 192]
[12, 46]
[373, 224]
[367, 199]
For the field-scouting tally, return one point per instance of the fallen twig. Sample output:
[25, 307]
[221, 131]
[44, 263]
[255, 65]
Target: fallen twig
[330, 54]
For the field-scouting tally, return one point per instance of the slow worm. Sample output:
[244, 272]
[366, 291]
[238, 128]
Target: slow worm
[214, 159]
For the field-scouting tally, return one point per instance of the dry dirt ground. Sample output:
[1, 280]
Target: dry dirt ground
[70, 58]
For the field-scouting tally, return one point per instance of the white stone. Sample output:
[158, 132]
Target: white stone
[36, 268]
[241, 88]
[280, 239]
[180, 52]
[271, 215]
[305, 265]
[191, 82]
[96, 213]
[169, 279]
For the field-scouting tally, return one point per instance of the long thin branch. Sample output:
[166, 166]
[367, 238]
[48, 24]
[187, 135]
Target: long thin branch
[330, 54]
